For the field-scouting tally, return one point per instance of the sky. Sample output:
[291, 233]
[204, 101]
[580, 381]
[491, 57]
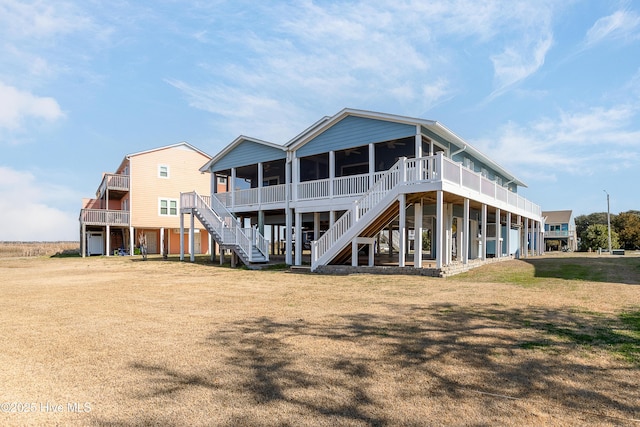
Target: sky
[548, 89]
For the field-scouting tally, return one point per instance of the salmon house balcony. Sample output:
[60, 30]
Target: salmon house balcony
[104, 217]
[115, 185]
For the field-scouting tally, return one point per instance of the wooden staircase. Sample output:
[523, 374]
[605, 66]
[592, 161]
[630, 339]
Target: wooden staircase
[250, 246]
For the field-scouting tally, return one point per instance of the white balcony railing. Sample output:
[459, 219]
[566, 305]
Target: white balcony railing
[425, 169]
[103, 217]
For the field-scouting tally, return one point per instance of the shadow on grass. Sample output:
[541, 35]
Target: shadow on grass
[360, 369]
[594, 269]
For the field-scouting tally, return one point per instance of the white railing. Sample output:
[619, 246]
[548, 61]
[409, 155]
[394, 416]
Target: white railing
[104, 217]
[350, 185]
[113, 181]
[414, 171]
[558, 233]
[424, 169]
[225, 224]
[380, 189]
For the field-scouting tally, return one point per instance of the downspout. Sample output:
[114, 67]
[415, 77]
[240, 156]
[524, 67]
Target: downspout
[459, 151]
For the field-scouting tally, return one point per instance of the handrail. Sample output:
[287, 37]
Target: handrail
[225, 224]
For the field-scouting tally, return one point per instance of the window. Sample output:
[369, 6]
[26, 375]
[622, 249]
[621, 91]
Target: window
[168, 207]
[163, 171]
[468, 163]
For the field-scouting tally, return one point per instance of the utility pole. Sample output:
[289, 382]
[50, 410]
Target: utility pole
[608, 221]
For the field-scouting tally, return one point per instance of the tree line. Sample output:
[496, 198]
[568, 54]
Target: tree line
[592, 231]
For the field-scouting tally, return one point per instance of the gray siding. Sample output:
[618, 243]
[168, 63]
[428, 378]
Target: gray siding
[355, 131]
[248, 153]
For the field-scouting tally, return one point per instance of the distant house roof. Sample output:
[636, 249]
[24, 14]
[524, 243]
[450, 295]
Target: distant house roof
[557, 217]
[179, 144]
[237, 143]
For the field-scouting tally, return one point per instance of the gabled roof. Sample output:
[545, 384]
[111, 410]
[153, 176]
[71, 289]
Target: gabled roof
[236, 142]
[327, 122]
[179, 144]
[557, 217]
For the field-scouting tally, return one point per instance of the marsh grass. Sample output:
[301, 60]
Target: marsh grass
[36, 249]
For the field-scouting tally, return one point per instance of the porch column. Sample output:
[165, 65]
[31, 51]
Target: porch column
[498, 234]
[417, 236]
[418, 153]
[132, 241]
[181, 236]
[192, 256]
[261, 222]
[402, 230]
[162, 242]
[390, 240]
[83, 240]
[332, 216]
[507, 239]
[260, 179]
[483, 231]
[232, 187]
[108, 239]
[526, 237]
[519, 225]
[289, 237]
[332, 173]
[439, 231]
[295, 175]
[316, 225]
[465, 232]
[372, 164]
[212, 247]
[449, 232]
[298, 248]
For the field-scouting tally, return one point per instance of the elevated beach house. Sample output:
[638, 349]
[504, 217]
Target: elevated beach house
[140, 202]
[560, 231]
[366, 189]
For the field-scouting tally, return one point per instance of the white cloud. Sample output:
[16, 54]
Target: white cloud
[620, 25]
[29, 19]
[580, 142]
[18, 106]
[517, 62]
[29, 212]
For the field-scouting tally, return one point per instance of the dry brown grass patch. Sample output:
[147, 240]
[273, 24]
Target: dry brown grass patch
[169, 343]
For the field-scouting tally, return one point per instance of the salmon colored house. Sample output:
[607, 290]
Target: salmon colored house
[142, 200]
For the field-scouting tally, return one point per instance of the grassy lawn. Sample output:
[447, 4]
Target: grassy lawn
[117, 341]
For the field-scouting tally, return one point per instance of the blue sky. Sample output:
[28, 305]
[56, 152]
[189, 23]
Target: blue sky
[549, 89]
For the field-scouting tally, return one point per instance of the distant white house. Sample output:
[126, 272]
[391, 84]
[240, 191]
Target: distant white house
[366, 188]
[560, 230]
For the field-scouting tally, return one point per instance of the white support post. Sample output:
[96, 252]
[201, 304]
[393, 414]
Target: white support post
[417, 236]
[526, 237]
[181, 236]
[108, 240]
[465, 233]
[332, 172]
[372, 164]
[192, 256]
[402, 229]
[507, 238]
[298, 249]
[260, 182]
[132, 241]
[332, 218]
[83, 240]
[519, 225]
[162, 242]
[316, 225]
[232, 187]
[439, 231]
[354, 253]
[498, 234]
[483, 232]
[288, 237]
